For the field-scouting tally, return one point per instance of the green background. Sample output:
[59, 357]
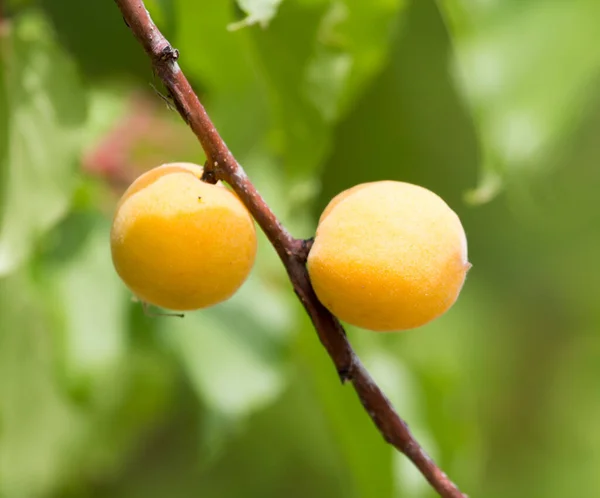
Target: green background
[494, 105]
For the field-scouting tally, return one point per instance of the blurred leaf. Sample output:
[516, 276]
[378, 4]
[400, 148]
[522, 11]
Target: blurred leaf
[288, 198]
[319, 56]
[94, 307]
[106, 104]
[446, 358]
[205, 43]
[59, 429]
[410, 105]
[257, 11]
[285, 85]
[15, 4]
[299, 134]
[162, 12]
[402, 389]
[46, 108]
[571, 406]
[233, 355]
[232, 378]
[360, 446]
[219, 60]
[37, 424]
[123, 411]
[355, 39]
[97, 38]
[525, 69]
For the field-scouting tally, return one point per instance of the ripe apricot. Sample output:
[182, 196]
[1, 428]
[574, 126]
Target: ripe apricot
[388, 256]
[180, 243]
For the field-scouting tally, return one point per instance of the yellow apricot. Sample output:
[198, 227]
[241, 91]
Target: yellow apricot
[180, 243]
[388, 256]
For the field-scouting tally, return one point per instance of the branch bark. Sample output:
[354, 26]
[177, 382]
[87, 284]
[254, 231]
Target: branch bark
[222, 165]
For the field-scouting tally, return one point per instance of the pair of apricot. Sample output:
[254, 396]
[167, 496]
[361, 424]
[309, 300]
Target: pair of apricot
[386, 256]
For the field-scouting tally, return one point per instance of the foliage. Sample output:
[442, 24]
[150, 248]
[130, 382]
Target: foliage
[478, 101]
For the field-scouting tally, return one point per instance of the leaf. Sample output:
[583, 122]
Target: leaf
[318, 57]
[158, 10]
[75, 398]
[525, 69]
[46, 107]
[284, 86]
[209, 52]
[354, 42]
[106, 105]
[410, 106]
[360, 448]
[233, 355]
[219, 61]
[99, 41]
[94, 305]
[257, 11]
[402, 389]
[38, 425]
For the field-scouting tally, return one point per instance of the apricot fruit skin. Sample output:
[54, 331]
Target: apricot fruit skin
[388, 256]
[180, 243]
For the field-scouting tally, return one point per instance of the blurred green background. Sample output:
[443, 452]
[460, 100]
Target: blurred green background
[492, 104]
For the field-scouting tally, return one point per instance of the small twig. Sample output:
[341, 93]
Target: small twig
[221, 165]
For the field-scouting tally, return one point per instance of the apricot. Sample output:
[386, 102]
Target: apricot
[180, 243]
[388, 256]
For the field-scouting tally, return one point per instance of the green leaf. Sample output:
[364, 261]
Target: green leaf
[106, 105]
[219, 61]
[75, 398]
[209, 52]
[354, 42]
[299, 134]
[123, 410]
[93, 304]
[37, 423]
[257, 11]
[360, 447]
[411, 105]
[285, 86]
[525, 69]
[46, 107]
[233, 355]
[401, 387]
[318, 57]
[98, 40]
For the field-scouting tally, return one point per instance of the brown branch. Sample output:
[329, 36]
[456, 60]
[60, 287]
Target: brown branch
[221, 165]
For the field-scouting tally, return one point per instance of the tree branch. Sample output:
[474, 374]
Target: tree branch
[221, 165]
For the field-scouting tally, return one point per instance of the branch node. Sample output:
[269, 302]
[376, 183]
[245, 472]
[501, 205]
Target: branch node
[301, 248]
[208, 175]
[345, 374]
[168, 54]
